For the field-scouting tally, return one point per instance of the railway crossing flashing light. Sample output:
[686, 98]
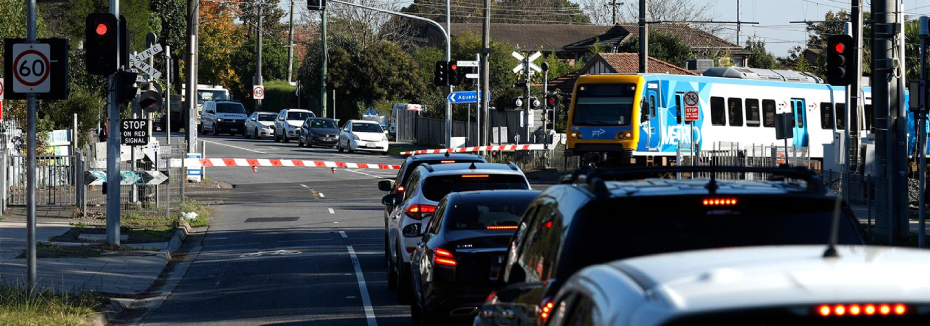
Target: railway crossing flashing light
[441, 74]
[839, 58]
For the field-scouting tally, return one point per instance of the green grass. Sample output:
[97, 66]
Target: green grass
[396, 149]
[151, 234]
[17, 308]
[203, 212]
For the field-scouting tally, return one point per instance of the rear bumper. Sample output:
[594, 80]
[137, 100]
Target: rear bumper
[455, 301]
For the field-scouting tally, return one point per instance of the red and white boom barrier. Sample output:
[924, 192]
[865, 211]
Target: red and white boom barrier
[234, 162]
[504, 148]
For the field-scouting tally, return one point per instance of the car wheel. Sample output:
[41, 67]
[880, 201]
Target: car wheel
[275, 135]
[339, 147]
[215, 132]
[284, 137]
[300, 142]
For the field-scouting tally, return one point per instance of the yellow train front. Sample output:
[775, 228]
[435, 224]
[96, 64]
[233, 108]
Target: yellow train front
[604, 119]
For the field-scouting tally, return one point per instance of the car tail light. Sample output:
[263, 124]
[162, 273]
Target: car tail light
[400, 189]
[447, 161]
[545, 309]
[419, 212]
[719, 201]
[866, 309]
[443, 257]
[502, 227]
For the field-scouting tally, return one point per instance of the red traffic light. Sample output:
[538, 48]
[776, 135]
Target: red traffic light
[551, 100]
[840, 47]
[101, 29]
[454, 67]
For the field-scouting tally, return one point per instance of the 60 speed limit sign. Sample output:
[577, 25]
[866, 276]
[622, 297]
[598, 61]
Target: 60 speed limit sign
[31, 68]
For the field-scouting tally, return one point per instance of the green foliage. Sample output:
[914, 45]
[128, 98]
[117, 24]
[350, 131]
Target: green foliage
[664, 46]
[45, 307]
[274, 67]
[278, 95]
[759, 57]
[88, 106]
[172, 20]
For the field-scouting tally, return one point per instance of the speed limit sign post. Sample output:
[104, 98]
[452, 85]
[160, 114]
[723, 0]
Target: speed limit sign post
[31, 67]
[258, 92]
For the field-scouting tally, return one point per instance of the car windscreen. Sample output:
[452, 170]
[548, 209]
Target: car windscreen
[436, 187]
[230, 108]
[322, 123]
[366, 127]
[267, 117]
[298, 115]
[604, 105]
[498, 213]
[633, 226]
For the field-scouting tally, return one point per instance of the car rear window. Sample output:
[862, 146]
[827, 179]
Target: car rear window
[292, 115]
[436, 187]
[629, 227]
[366, 127]
[500, 213]
[266, 117]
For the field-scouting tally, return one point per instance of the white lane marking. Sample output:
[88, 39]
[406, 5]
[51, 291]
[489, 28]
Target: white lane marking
[343, 234]
[305, 186]
[234, 244]
[331, 211]
[236, 147]
[321, 195]
[363, 288]
[367, 174]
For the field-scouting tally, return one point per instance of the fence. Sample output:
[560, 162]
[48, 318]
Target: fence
[56, 177]
[140, 199]
[432, 132]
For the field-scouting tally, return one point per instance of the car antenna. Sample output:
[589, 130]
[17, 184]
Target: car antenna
[834, 230]
[472, 167]
[447, 153]
[712, 185]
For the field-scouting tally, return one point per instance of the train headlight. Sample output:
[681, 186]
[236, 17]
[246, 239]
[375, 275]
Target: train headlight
[575, 134]
[624, 135]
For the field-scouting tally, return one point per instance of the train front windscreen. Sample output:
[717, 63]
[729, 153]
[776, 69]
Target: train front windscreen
[604, 105]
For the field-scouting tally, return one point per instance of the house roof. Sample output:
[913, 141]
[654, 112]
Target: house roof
[623, 63]
[694, 37]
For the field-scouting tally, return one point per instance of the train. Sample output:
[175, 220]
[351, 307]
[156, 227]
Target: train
[623, 118]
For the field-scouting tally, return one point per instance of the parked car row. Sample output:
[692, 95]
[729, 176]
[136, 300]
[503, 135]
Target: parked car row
[292, 124]
[468, 241]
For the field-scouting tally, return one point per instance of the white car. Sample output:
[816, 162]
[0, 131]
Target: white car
[362, 135]
[777, 285]
[287, 124]
[260, 124]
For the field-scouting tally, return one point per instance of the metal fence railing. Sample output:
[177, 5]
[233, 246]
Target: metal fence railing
[141, 199]
[55, 180]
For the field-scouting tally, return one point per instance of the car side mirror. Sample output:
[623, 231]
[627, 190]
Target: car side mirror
[391, 199]
[253, 119]
[412, 230]
[385, 185]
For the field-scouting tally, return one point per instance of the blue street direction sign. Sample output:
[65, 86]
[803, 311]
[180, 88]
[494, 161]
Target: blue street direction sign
[463, 97]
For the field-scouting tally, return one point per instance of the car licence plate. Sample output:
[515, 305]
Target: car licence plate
[233, 129]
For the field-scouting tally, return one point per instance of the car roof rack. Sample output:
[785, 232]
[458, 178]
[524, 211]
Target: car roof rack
[595, 177]
[427, 167]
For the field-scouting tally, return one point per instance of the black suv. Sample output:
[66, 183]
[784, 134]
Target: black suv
[599, 216]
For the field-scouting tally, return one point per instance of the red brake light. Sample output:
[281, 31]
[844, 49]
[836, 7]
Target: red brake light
[719, 201]
[545, 309]
[855, 309]
[443, 257]
[443, 253]
[448, 161]
[101, 29]
[502, 227]
[420, 212]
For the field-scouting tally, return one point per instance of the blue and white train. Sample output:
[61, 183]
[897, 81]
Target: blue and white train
[633, 116]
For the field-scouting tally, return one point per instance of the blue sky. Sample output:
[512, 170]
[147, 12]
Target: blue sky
[774, 17]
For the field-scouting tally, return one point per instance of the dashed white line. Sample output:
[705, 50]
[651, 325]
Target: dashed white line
[343, 234]
[367, 174]
[321, 195]
[305, 186]
[363, 288]
[331, 211]
[236, 147]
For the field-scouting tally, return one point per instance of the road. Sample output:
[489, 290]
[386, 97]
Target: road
[287, 246]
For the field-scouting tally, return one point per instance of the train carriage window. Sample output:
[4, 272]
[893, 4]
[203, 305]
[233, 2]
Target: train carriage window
[768, 113]
[752, 112]
[736, 111]
[826, 115]
[841, 116]
[717, 112]
[652, 105]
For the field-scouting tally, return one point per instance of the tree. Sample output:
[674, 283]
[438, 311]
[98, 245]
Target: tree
[759, 57]
[219, 39]
[243, 61]
[833, 25]
[667, 10]
[663, 46]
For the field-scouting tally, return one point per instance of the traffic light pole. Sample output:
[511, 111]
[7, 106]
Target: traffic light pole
[113, 141]
[445, 34]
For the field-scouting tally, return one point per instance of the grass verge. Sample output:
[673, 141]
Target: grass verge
[17, 308]
[45, 250]
[203, 212]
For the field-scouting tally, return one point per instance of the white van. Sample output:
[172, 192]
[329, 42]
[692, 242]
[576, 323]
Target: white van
[223, 116]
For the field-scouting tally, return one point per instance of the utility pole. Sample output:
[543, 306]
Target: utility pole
[485, 72]
[258, 63]
[113, 148]
[899, 112]
[886, 105]
[290, 47]
[449, 89]
[526, 113]
[193, 30]
[323, 60]
[613, 7]
[643, 39]
[739, 7]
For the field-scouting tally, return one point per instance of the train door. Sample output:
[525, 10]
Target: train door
[798, 110]
[653, 127]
